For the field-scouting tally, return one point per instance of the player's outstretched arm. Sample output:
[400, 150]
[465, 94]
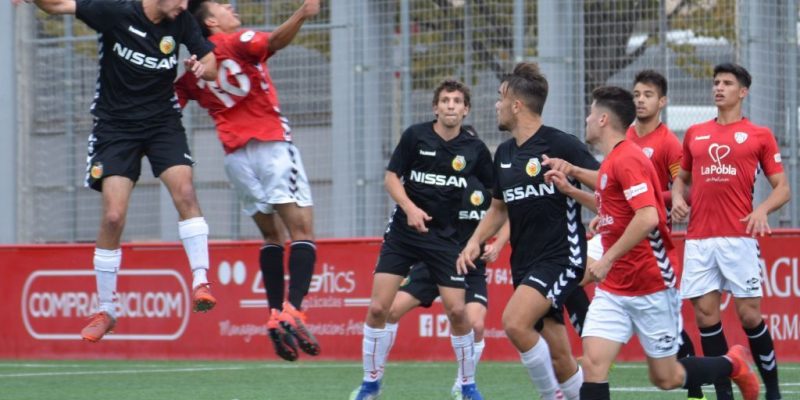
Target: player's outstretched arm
[415, 215]
[680, 208]
[496, 216]
[285, 33]
[559, 179]
[643, 222]
[757, 222]
[56, 7]
[585, 176]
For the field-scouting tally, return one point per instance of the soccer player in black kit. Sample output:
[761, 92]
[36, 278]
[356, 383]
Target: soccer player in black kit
[426, 176]
[136, 114]
[548, 240]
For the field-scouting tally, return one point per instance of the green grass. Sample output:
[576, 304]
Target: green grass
[178, 380]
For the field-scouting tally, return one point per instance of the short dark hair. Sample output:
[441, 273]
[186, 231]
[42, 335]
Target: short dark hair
[654, 78]
[737, 70]
[200, 12]
[452, 85]
[527, 82]
[619, 101]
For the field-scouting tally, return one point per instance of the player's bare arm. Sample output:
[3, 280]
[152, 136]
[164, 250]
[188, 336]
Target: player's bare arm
[559, 179]
[496, 216]
[205, 68]
[285, 33]
[757, 222]
[56, 7]
[680, 208]
[492, 250]
[416, 216]
[585, 176]
[643, 222]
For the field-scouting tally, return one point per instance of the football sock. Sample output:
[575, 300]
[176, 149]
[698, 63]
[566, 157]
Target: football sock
[595, 391]
[392, 329]
[687, 350]
[577, 305]
[302, 257]
[572, 386]
[106, 266]
[713, 341]
[270, 259]
[374, 346]
[764, 355]
[479, 346]
[705, 370]
[540, 369]
[464, 347]
[194, 235]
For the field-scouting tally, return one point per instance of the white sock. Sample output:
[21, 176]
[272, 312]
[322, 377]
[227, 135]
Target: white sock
[392, 330]
[540, 369]
[464, 347]
[106, 266]
[374, 348]
[572, 386]
[478, 350]
[194, 235]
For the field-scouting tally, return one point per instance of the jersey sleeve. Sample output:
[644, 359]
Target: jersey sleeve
[686, 158]
[193, 37]
[770, 157]
[673, 154]
[577, 153]
[403, 154]
[100, 15]
[637, 186]
[252, 46]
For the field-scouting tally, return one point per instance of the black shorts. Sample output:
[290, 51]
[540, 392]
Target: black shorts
[554, 281]
[420, 285]
[397, 257]
[117, 148]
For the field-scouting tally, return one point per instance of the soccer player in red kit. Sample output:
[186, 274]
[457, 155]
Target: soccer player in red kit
[721, 159]
[637, 275]
[261, 162]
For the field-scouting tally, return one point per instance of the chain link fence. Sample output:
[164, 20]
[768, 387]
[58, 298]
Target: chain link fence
[363, 70]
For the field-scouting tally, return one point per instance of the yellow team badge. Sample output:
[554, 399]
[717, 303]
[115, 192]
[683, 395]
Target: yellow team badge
[459, 163]
[96, 171]
[167, 45]
[476, 198]
[533, 167]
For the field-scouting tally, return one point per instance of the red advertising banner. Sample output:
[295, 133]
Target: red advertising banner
[49, 293]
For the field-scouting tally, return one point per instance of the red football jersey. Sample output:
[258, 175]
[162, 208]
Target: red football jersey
[243, 101]
[626, 182]
[663, 149]
[724, 161]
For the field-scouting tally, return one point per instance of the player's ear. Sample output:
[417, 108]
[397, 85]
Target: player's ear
[662, 101]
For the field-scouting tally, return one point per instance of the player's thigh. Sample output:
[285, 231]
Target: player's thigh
[598, 355]
[271, 228]
[701, 273]
[384, 289]
[657, 322]
[403, 303]
[525, 307]
[246, 182]
[739, 260]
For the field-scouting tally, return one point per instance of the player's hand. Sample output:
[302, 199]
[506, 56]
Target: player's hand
[196, 67]
[491, 252]
[310, 8]
[594, 224]
[559, 179]
[598, 269]
[465, 259]
[557, 164]
[680, 210]
[757, 223]
[417, 218]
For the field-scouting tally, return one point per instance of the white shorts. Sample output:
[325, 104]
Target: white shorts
[732, 264]
[268, 173]
[655, 318]
[594, 247]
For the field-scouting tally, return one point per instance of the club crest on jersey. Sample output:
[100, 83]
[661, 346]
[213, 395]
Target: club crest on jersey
[476, 198]
[96, 172]
[533, 167]
[459, 163]
[167, 45]
[740, 137]
[603, 181]
[648, 151]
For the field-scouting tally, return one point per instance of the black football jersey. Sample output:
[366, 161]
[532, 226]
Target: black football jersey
[435, 176]
[138, 59]
[545, 224]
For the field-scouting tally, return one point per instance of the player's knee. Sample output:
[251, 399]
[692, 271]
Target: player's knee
[478, 327]
[514, 328]
[750, 319]
[377, 311]
[664, 381]
[393, 316]
[457, 314]
[185, 198]
[114, 220]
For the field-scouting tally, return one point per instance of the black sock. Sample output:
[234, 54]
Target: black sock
[764, 355]
[595, 391]
[271, 262]
[687, 350]
[301, 268]
[705, 370]
[577, 305]
[714, 344]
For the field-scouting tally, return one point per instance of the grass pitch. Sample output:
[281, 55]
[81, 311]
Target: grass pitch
[212, 380]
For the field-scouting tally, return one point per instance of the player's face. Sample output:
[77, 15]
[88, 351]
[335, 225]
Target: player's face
[727, 90]
[504, 108]
[172, 8]
[648, 101]
[225, 16]
[593, 124]
[450, 110]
